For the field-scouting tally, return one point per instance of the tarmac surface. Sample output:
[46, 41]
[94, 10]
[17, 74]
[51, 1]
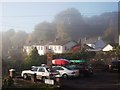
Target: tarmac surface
[99, 81]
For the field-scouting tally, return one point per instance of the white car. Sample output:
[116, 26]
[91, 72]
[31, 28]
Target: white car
[41, 72]
[66, 71]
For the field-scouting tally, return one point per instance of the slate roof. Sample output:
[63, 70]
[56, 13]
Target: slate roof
[61, 42]
[99, 44]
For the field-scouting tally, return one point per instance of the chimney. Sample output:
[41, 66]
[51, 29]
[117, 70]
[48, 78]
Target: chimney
[99, 38]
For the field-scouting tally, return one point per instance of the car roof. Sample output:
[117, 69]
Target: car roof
[39, 67]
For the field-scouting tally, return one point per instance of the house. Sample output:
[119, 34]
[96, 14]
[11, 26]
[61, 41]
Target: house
[88, 46]
[99, 45]
[56, 47]
[41, 49]
[27, 49]
[76, 48]
[61, 46]
[107, 48]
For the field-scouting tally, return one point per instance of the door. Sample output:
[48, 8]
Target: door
[40, 73]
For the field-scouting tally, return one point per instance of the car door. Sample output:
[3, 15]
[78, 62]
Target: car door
[40, 73]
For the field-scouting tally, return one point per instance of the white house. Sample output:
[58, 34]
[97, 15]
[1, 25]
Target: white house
[56, 47]
[62, 47]
[27, 49]
[41, 49]
[107, 48]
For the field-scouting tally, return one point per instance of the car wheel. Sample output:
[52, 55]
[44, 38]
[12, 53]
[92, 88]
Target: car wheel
[65, 76]
[25, 76]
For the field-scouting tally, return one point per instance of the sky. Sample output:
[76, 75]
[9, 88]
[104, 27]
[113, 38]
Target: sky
[26, 15]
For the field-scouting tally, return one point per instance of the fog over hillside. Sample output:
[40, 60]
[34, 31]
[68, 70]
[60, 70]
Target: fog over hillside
[69, 24]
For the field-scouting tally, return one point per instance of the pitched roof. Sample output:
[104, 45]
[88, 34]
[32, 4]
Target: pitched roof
[107, 47]
[59, 42]
[99, 44]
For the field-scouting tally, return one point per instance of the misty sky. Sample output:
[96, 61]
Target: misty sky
[24, 16]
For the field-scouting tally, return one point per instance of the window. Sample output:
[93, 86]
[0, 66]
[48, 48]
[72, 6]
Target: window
[70, 67]
[41, 48]
[34, 69]
[38, 47]
[55, 47]
[58, 68]
[41, 70]
[59, 48]
[65, 48]
[51, 70]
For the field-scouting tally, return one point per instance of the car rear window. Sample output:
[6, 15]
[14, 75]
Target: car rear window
[51, 70]
[34, 69]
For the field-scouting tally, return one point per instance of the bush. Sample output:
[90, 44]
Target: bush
[8, 83]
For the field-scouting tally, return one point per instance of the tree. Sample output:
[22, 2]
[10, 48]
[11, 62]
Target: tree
[12, 41]
[33, 58]
[116, 52]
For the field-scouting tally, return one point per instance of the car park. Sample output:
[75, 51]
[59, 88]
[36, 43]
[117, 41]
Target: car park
[66, 71]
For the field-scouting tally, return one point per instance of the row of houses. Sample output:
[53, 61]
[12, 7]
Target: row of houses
[63, 46]
[56, 47]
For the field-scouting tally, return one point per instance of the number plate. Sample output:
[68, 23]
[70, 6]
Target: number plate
[48, 81]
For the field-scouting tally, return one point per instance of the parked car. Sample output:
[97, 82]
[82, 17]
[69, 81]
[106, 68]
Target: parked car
[115, 66]
[66, 71]
[41, 72]
[84, 69]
